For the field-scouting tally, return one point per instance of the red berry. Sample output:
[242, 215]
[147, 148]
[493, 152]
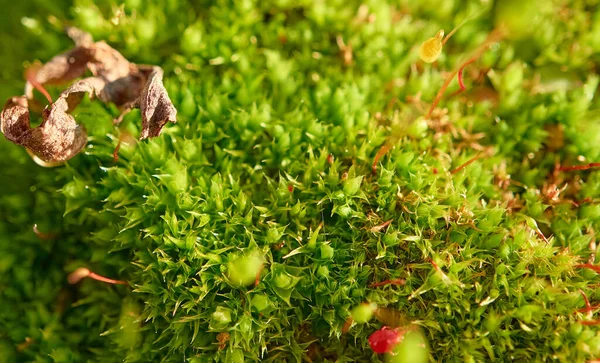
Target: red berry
[385, 339]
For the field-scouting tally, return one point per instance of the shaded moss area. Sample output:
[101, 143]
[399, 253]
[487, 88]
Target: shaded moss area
[282, 109]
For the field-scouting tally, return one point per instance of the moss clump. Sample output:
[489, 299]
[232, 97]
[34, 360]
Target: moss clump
[267, 175]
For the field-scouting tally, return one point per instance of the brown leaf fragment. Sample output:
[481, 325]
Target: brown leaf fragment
[15, 118]
[115, 80]
[108, 63]
[62, 68]
[80, 37]
[57, 139]
[155, 105]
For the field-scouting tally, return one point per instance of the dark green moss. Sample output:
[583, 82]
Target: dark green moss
[272, 158]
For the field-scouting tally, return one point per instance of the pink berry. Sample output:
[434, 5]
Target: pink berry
[385, 339]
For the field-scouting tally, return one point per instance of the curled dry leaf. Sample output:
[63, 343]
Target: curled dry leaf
[57, 139]
[155, 105]
[114, 79]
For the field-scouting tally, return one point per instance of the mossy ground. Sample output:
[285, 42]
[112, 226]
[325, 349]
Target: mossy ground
[276, 135]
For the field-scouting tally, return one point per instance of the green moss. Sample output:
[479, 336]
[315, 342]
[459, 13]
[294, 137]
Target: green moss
[268, 174]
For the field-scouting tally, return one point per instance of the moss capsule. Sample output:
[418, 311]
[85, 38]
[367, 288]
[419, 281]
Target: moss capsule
[432, 48]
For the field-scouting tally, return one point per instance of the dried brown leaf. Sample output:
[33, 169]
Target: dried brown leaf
[114, 80]
[62, 68]
[57, 139]
[155, 105]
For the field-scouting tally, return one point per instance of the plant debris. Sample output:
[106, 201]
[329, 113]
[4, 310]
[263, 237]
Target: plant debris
[115, 80]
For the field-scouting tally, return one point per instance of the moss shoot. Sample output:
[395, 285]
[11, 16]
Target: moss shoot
[322, 190]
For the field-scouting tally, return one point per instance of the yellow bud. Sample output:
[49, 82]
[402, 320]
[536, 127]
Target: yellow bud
[432, 48]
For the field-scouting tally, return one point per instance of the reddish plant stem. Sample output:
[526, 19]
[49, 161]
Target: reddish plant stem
[382, 151]
[589, 266]
[579, 167]
[588, 307]
[494, 36]
[541, 235]
[97, 277]
[590, 322]
[257, 279]
[347, 325]
[388, 282]
[83, 272]
[467, 163]
[461, 82]
[30, 75]
[460, 75]
[40, 234]
[330, 159]
[117, 148]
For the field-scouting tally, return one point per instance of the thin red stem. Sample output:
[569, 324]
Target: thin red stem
[117, 148]
[382, 151]
[461, 82]
[30, 75]
[83, 272]
[97, 277]
[588, 306]
[590, 322]
[257, 279]
[579, 167]
[467, 163]
[589, 266]
[493, 37]
[40, 234]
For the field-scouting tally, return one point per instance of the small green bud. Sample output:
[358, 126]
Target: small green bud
[237, 356]
[575, 329]
[261, 303]
[191, 40]
[344, 211]
[517, 17]
[417, 128]
[352, 185]
[283, 280]
[273, 235]
[327, 251]
[243, 270]
[323, 271]
[363, 312]
[145, 30]
[513, 77]
[391, 239]
[188, 104]
[220, 318]
[413, 348]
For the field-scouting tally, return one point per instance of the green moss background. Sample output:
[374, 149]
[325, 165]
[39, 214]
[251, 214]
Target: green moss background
[276, 136]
